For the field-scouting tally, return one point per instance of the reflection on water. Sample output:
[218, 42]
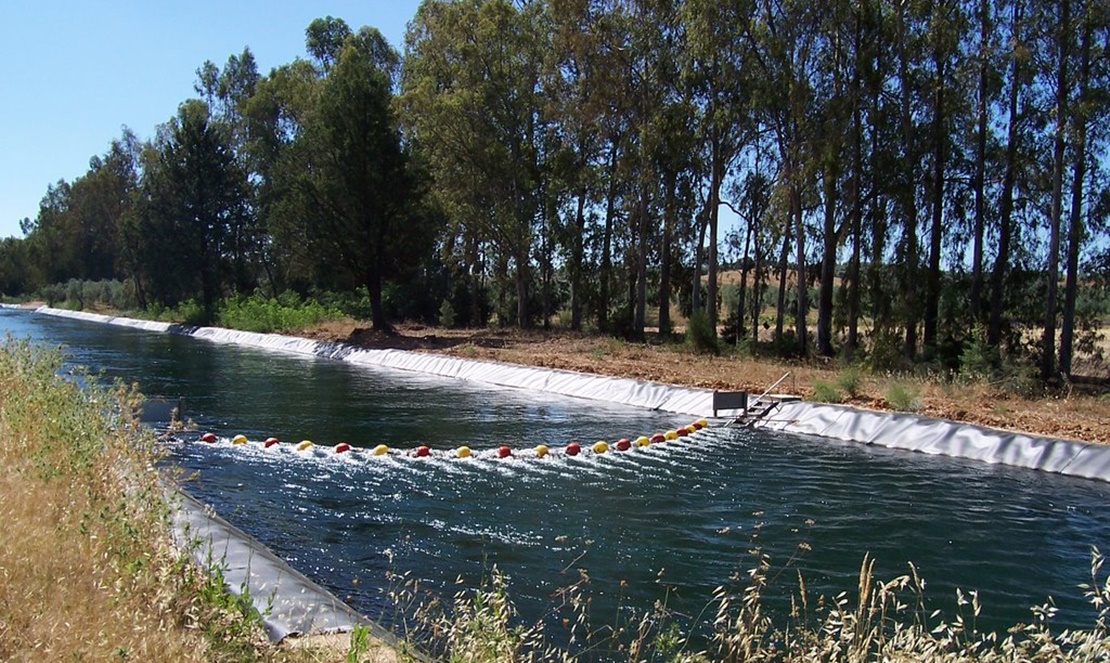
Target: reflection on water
[672, 520]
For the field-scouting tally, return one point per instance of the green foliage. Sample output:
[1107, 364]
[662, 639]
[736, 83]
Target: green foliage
[700, 335]
[979, 361]
[826, 392]
[83, 295]
[850, 381]
[446, 314]
[903, 396]
[360, 643]
[258, 313]
[188, 312]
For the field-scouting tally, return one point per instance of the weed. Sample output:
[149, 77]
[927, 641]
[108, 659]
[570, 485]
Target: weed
[700, 335]
[825, 392]
[903, 397]
[850, 381]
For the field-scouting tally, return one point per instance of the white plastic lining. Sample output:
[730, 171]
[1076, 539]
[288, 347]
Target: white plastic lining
[942, 437]
[894, 430]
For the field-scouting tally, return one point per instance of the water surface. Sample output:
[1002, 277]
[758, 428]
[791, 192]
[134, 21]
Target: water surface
[670, 522]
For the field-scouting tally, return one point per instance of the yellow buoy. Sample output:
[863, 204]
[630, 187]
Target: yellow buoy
[643, 441]
[703, 423]
[691, 428]
[304, 445]
[671, 435]
[239, 439]
[541, 450]
[463, 452]
[600, 447]
[381, 450]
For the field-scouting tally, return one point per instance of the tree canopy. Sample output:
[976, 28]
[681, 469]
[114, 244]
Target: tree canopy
[900, 181]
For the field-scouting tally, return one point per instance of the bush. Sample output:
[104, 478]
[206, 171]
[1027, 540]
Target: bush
[825, 392]
[700, 335]
[979, 361]
[903, 397]
[850, 380]
[446, 314]
[262, 314]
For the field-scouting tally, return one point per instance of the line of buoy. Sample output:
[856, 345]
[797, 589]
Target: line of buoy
[503, 451]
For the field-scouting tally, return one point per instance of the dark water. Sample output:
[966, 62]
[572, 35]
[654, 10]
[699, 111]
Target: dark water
[673, 521]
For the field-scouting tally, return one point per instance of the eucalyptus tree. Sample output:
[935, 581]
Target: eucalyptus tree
[720, 50]
[945, 24]
[472, 105]
[785, 46]
[575, 86]
[277, 115]
[1018, 79]
[1089, 109]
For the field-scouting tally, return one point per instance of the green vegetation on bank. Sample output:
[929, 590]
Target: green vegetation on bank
[89, 570]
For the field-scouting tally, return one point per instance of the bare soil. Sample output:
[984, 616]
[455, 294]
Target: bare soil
[1078, 413]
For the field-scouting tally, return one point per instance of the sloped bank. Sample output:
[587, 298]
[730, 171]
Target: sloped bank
[893, 430]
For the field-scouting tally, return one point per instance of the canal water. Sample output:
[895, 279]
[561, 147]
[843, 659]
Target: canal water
[670, 522]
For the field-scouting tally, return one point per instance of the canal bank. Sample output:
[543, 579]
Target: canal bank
[892, 430]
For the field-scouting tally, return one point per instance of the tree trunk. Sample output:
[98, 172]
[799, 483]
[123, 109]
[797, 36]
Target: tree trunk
[713, 217]
[607, 247]
[801, 342]
[978, 182]
[665, 258]
[784, 263]
[1075, 221]
[852, 344]
[1052, 273]
[576, 267]
[908, 192]
[377, 312]
[932, 291]
[1006, 206]
[640, 317]
[828, 263]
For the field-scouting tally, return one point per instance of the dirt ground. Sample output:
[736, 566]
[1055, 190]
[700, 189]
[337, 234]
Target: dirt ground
[1078, 413]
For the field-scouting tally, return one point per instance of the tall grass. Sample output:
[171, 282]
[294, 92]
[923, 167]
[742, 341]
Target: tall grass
[876, 620]
[87, 568]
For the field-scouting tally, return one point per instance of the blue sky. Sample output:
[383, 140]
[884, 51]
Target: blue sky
[76, 72]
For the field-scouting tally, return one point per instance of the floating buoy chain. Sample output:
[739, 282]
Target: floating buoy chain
[503, 451]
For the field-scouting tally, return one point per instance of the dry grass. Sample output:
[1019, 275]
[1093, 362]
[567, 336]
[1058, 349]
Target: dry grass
[1073, 414]
[87, 569]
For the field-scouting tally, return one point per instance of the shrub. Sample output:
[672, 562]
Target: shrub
[903, 397]
[258, 313]
[850, 380]
[446, 314]
[979, 361]
[825, 392]
[700, 335]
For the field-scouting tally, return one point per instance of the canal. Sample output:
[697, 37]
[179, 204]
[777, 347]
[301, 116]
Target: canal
[669, 522]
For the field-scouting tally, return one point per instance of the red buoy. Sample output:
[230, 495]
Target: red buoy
[698, 425]
[270, 441]
[682, 432]
[658, 438]
[573, 449]
[341, 447]
[624, 444]
[422, 451]
[504, 451]
[208, 437]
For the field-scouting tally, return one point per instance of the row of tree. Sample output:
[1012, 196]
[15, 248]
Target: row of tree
[921, 168]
